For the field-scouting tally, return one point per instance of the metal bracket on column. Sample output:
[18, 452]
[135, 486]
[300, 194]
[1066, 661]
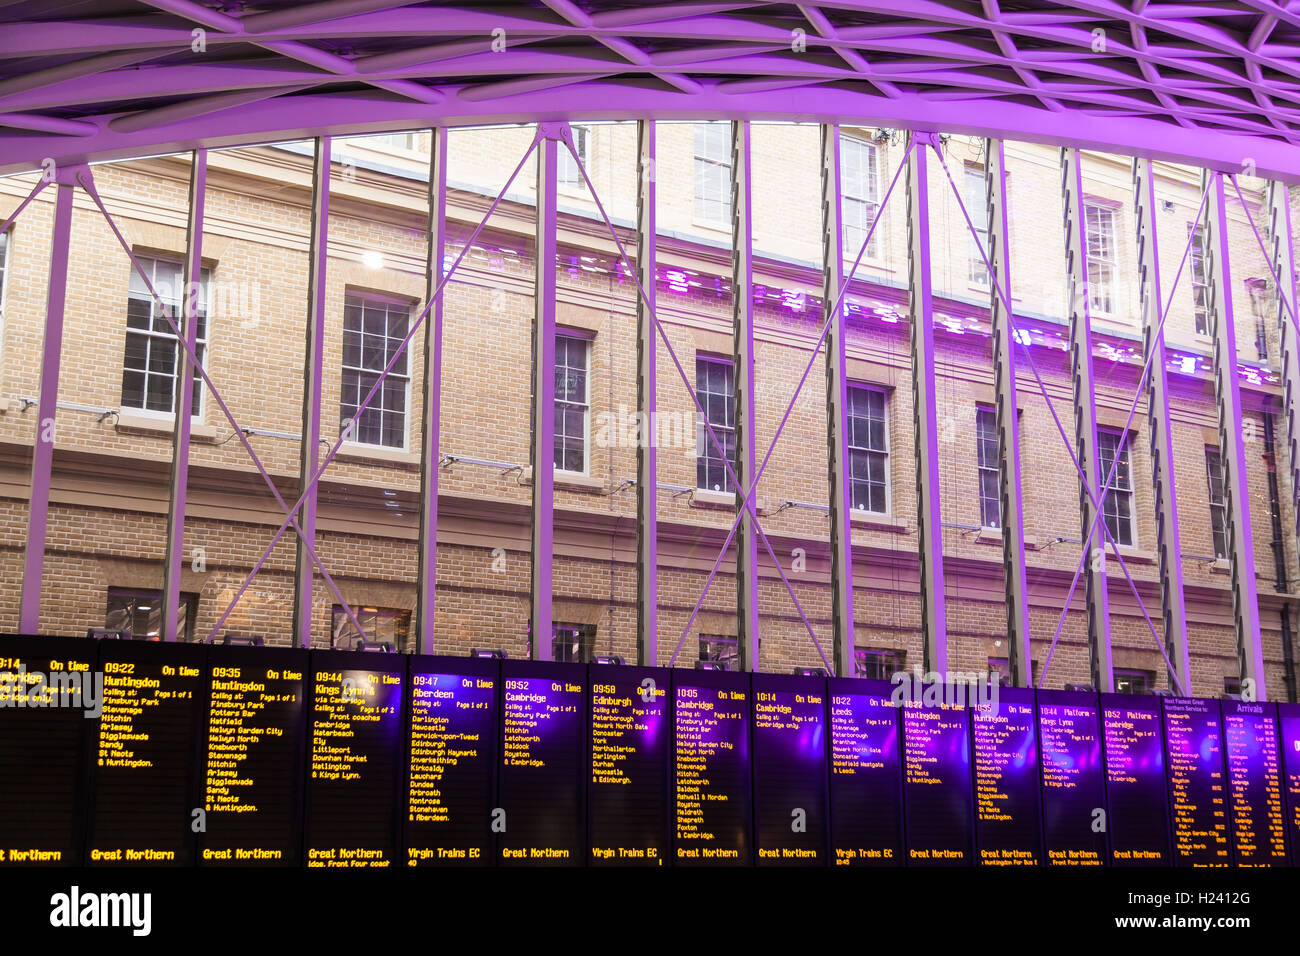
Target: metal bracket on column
[543, 432]
[742, 288]
[837, 444]
[1085, 423]
[1281, 239]
[647, 550]
[426, 582]
[1173, 609]
[934, 615]
[1232, 451]
[183, 400]
[1020, 651]
[313, 369]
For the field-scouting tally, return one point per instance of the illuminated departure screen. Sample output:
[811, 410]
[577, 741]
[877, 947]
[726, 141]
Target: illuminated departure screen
[1074, 792]
[789, 769]
[355, 759]
[1254, 783]
[937, 779]
[451, 761]
[1288, 718]
[50, 693]
[253, 756]
[1133, 751]
[543, 759]
[711, 785]
[144, 761]
[866, 774]
[1007, 829]
[1198, 795]
[627, 790]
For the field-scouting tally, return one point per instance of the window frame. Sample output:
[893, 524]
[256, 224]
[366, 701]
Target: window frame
[713, 163]
[1147, 680]
[896, 655]
[1200, 281]
[389, 302]
[189, 601]
[585, 341]
[566, 164]
[1123, 483]
[869, 174]
[705, 449]
[1110, 262]
[1218, 507]
[202, 345]
[729, 641]
[981, 413]
[977, 273]
[584, 637]
[338, 616]
[6, 244]
[884, 453]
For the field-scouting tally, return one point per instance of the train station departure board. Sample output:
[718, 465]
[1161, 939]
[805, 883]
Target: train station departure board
[543, 760]
[145, 811]
[1198, 793]
[51, 690]
[866, 782]
[254, 739]
[711, 784]
[627, 783]
[1288, 720]
[354, 759]
[1074, 791]
[1005, 748]
[1255, 799]
[937, 782]
[789, 769]
[1134, 757]
[451, 748]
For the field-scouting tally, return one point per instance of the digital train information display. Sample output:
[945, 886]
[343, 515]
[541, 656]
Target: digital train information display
[1074, 791]
[1133, 751]
[790, 760]
[937, 780]
[627, 788]
[711, 784]
[252, 768]
[1007, 823]
[544, 739]
[451, 747]
[355, 759]
[1258, 812]
[51, 691]
[144, 761]
[1198, 794]
[866, 783]
[1288, 719]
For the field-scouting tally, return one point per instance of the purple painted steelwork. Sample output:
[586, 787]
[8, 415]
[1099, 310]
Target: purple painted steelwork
[29, 612]
[543, 438]
[313, 372]
[647, 455]
[427, 571]
[929, 522]
[36, 191]
[183, 400]
[1281, 260]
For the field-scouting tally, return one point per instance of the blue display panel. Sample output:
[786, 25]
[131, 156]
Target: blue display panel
[789, 770]
[866, 780]
[937, 780]
[1133, 750]
[51, 689]
[254, 738]
[143, 766]
[711, 784]
[627, 788]
[355, 759]
[1250, 748]
[1288, 718]
[1008, 828]
[1074, 797]
[451, 747]
[543, 762]
[1198, 794]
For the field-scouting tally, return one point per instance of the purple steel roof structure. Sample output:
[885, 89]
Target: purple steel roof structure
[1213, 83]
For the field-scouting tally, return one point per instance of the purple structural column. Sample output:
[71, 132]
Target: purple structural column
[934, 615]
[47, 407]
[1085, 424]
[742, 288]
[1169, 550]
[543, 444]
[647, 465]
[183, 400]
[313, 368]
[837, 441]
[1007, 410]
[426, 583]
[1281, 252]
[1232, 448]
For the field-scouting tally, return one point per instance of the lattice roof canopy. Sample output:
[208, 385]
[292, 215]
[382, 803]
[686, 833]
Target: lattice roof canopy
[1215, 83]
